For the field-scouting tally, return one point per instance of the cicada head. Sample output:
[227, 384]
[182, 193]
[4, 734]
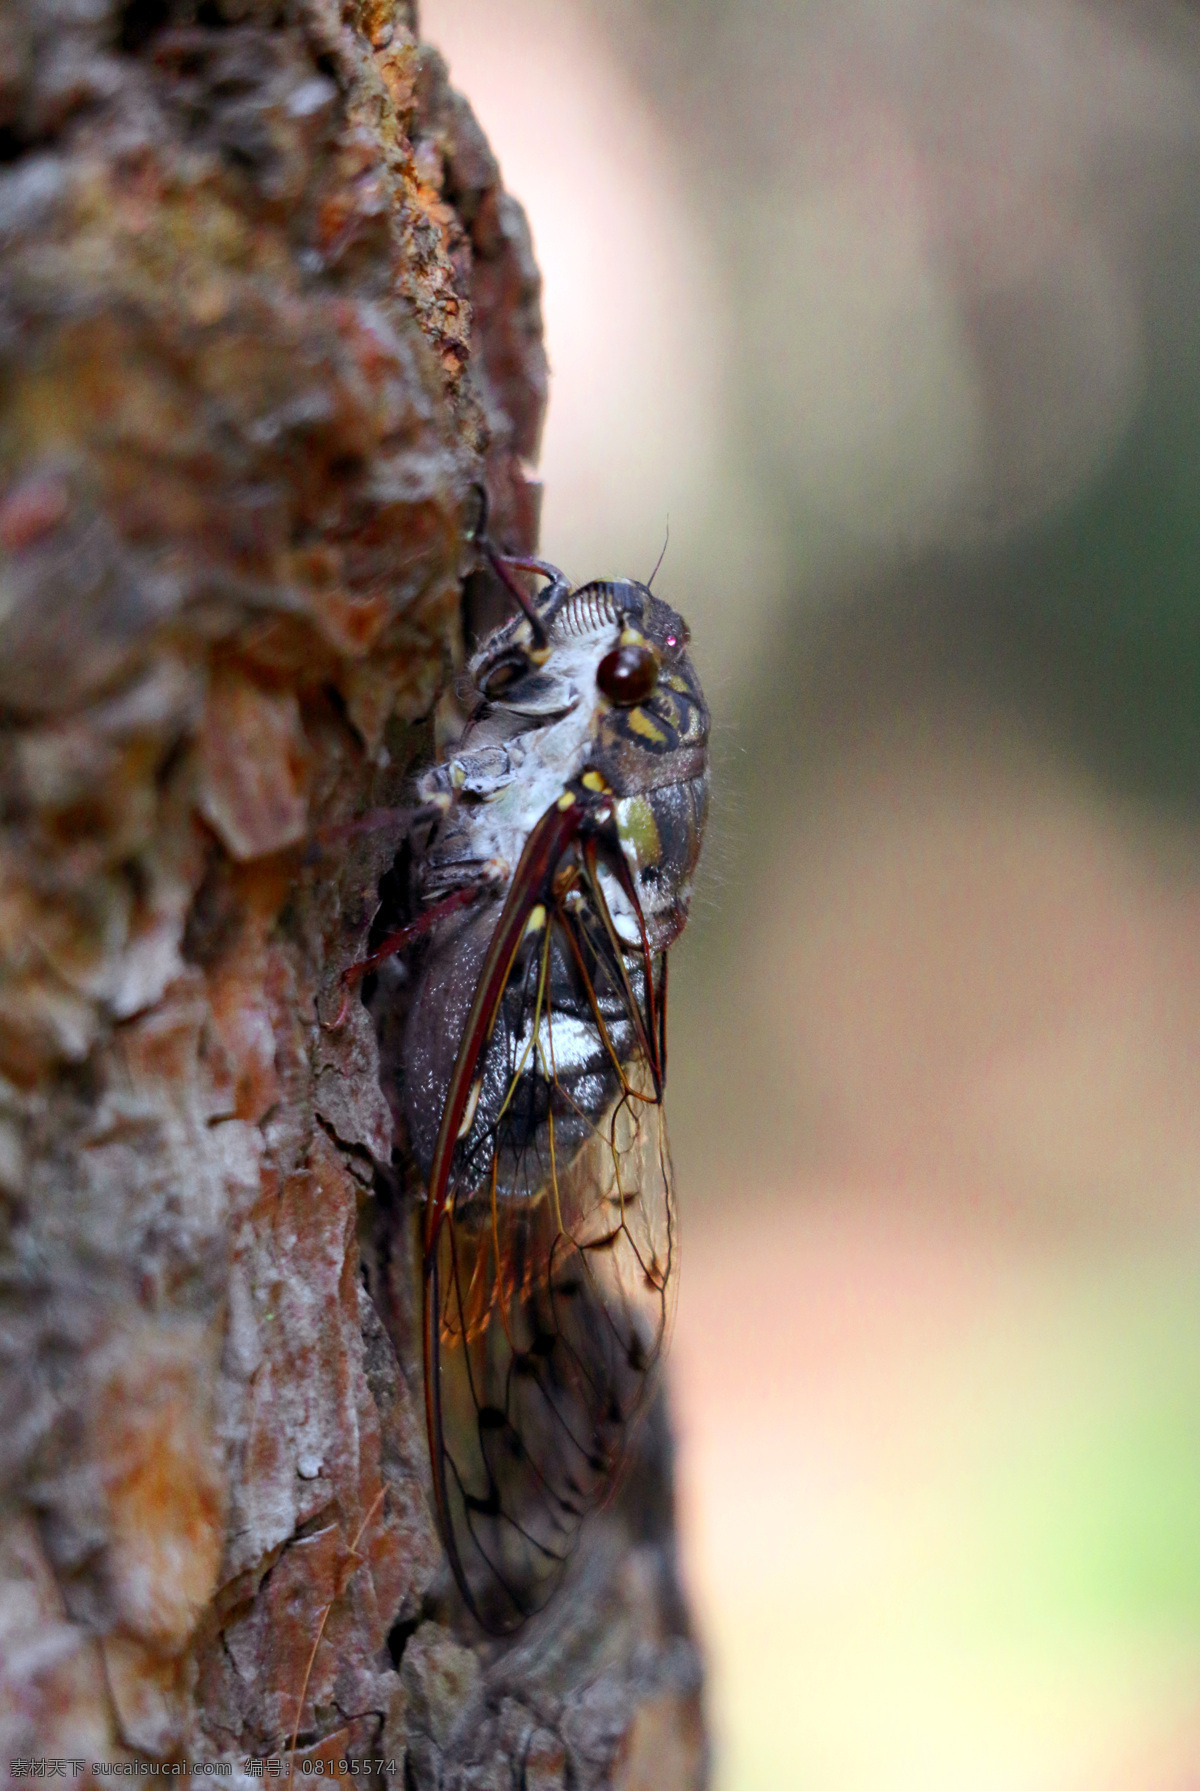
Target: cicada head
[650, 732]
[605, 684]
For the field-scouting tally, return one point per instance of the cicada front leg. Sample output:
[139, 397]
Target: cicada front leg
[397, 942]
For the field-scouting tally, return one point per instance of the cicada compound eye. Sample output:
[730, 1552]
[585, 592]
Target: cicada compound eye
[503, 673]
[628, 674]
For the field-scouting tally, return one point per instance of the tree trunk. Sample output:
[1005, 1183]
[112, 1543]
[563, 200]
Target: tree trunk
[265, 315]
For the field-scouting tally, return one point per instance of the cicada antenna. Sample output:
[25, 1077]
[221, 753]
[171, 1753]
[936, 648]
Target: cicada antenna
[662, 556]
[506, 565]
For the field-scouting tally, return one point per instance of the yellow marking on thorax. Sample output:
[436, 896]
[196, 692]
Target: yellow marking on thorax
[637, 827]
[641, 724]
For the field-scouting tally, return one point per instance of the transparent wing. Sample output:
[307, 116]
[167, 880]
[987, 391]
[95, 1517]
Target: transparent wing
[548, 1277]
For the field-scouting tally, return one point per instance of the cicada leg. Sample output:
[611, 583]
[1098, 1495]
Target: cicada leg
[399, 941]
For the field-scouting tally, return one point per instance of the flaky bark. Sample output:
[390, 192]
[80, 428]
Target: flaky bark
[265, 314]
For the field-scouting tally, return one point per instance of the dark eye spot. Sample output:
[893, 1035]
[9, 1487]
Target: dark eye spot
[627, 675]
[502, 675]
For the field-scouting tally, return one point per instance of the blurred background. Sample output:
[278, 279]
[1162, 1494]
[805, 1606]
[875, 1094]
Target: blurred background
[893, 308]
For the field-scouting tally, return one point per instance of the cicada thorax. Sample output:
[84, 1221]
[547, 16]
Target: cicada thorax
[534, 1068]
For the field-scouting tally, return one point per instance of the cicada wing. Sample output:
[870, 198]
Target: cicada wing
[552, 1288]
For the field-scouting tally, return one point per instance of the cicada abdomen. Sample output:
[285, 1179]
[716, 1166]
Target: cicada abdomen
[534, 1070]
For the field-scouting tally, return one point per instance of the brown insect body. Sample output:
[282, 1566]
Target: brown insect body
[534, 1066]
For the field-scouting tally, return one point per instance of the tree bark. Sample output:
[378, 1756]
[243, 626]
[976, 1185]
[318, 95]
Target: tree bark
[265, 315]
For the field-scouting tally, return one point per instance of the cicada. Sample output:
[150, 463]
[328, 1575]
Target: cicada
[553, 880]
